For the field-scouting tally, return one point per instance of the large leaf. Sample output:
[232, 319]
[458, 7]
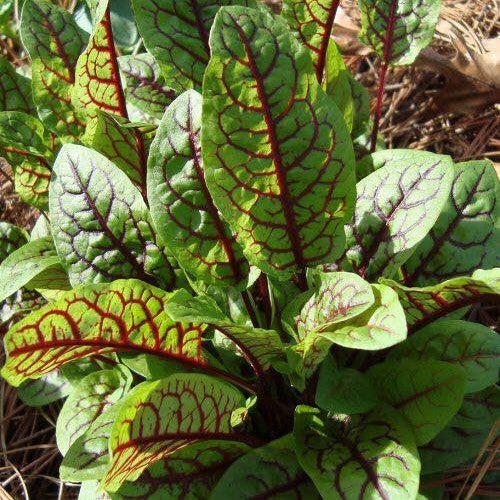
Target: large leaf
[15, 89]
[176, 33]
[463, 437]
[97, 77]
[472, 346]
[361, 456]
[259, 346]
[397, 206]
[54, 42]
[34, 265]
[271, 471]
[145, 87]
[90, 399]
[424, 305]
[126, 315]
[398, 29]
[181, 205]
[427, 392]
[100, 223]
[189, 473]
[44, 390]
[464, 237]
[313, 21]
[278, 158]
[165, 416]
[11, 238]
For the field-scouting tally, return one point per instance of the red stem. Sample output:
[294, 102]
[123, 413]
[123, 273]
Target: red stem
[320, 65]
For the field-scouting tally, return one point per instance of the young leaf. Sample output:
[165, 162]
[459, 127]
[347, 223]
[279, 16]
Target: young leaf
[397, 30]
[278, 158]
[34, 265]
[427, 392]
[32, 179]
[472, 346]
[11, 238]
[181, 206]
[176, 33]
[97, 77]
[54, 42]
[126, 315]
[145, 87]
[464, 237]
[90, 399]
[397, 206]
[271, 471]
[462, 439]
[190, 472]
[314, 21]
[100, 223]
[259, 346]
[362, 456]
[15, 89]
[165, 416]
[424, 305]
[44, 390]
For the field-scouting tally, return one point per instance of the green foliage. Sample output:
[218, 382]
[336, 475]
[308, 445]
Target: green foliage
[204, 266]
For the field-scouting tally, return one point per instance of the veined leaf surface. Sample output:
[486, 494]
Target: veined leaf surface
[364, 456]
[271, 471]
[145, 87]
[427, 392]
[44, 390]
[259, 346]
[397, 30]
[34, 265]
[313, 21]
[464, 237]
[181, 206]
[426, 304]
[54, 42]
[15, 89]
[95, 393]
[165, 416]
[101, 226]
[32, 179]
[278, 158]
[126, 315]
[11, 238]
[396, 207]
[97, 77]
[472, 346]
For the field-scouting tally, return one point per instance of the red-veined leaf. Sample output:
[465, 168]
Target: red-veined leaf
[32, 179]
[277, 155]
[15, 89]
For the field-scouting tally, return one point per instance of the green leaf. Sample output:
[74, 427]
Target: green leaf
[397, 206]
[32, 179]
[20, 304]
[361, 107]
[397, 30]
[344, 390]
[463, 437]
[145, 86]
[277, 154]
[15, 89]
[90, 490]
[126, 315]
[125, 146]
[259, 346]
[361, 456]
[97, 78]
[472, 346]
[189, 473]
[464, 237]
[271, 471]
[181, 206]
[101, 226]
[313, 22]
[41, 228]
[176, 33]
[44, 390]
[165, 416]
[34, 265]
[427, 392]
[11, 238]
[90, 399]
[424, 305]
[54, 42]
